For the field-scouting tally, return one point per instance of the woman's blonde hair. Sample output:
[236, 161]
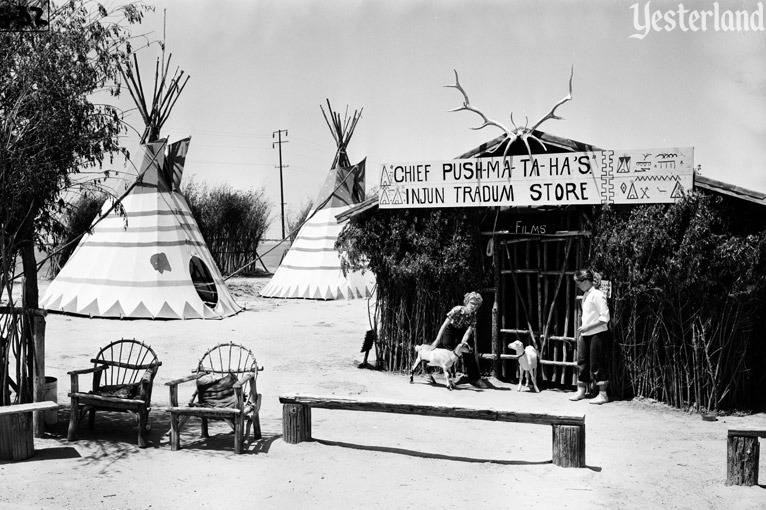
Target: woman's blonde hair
[473, 297]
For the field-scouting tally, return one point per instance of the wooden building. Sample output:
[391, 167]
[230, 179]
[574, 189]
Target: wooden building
[533, 253]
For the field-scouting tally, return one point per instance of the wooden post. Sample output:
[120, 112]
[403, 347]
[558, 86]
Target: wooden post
[38, 338]
[742, 454]
[296, 423]
[569, 445]
[497, 339]
[73, 411]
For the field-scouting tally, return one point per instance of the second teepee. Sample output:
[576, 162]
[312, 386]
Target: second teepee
[311, 269]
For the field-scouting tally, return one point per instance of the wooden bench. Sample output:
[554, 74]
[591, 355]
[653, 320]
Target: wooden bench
[568, 431]
[17, 431]
[742, 456]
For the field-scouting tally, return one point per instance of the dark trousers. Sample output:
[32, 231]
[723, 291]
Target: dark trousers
[594, 355]
[451, 338]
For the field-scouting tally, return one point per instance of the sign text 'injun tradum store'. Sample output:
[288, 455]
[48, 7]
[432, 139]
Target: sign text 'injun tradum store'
[598, 177]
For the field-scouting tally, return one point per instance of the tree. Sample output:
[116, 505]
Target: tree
[50, 129]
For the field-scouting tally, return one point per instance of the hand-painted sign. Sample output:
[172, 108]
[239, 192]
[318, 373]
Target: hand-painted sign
[598, 177]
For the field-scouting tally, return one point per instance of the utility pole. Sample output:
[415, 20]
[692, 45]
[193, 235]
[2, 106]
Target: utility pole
[278, 134]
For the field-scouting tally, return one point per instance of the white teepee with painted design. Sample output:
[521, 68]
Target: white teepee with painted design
[311, 269]
[150, 261]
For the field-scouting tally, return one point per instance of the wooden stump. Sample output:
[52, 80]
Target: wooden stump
[17, 438]
[569, 445]
[296, 423]
[742, 460]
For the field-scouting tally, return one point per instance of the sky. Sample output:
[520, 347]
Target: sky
[259, 66]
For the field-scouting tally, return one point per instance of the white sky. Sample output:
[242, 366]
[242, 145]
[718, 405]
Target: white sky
[257, 66]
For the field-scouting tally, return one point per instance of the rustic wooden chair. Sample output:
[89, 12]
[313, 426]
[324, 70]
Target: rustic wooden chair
[123, 374]
[226, 378]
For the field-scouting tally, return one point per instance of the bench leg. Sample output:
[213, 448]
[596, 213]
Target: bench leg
[203, 428]
[742, 457]
[16, 436]
[296, 423]
[569, 445]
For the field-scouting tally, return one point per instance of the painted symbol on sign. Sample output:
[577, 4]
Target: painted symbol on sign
[678, 191]
[623, 188]
[384, 198]
[397, 198]
[644, 165]
[632, 192]
[666, 160]
[623, 164]
[385, 178]
[645, 192]
[666, 164]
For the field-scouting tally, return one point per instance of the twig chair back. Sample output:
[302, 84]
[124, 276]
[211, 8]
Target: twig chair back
[226, 377]
[123, 377]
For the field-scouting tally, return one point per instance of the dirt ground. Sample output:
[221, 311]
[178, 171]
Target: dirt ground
[640, 454]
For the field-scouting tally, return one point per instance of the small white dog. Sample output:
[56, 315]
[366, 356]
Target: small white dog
[527, 357]
[443, 358]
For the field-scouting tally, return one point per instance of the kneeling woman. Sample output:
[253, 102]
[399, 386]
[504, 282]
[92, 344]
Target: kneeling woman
[457, 328]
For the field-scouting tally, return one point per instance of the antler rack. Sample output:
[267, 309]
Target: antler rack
[524, 132]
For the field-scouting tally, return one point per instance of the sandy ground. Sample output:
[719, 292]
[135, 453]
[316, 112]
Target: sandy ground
[640, 454]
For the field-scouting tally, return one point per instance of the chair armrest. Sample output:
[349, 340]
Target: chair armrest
[87, 370]
[193, 377]
[242, 380]
[173, 387]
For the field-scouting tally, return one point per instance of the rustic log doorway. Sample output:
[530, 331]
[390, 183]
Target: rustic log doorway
[536, 298]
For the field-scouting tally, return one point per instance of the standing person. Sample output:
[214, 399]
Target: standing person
[595, 342]
[457, 328]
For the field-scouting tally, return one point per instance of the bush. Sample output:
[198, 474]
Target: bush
[424, 261]
[232, 222]
[689, 289]
[76, 222]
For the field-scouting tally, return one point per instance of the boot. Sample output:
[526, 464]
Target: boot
[602, 397]
[580, 393]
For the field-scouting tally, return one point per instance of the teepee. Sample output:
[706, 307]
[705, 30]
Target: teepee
[311, 269]
[145, 257]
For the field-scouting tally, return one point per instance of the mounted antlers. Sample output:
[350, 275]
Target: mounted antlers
[523, 132]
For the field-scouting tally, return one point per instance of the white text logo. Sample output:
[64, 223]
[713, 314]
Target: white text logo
[694, 20]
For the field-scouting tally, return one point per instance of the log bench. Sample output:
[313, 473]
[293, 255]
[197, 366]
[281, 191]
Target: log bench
[742, 456]
[568, 431]
[17, 431]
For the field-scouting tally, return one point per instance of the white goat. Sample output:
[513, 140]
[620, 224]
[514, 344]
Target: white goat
[527, 357]
[443, 358]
